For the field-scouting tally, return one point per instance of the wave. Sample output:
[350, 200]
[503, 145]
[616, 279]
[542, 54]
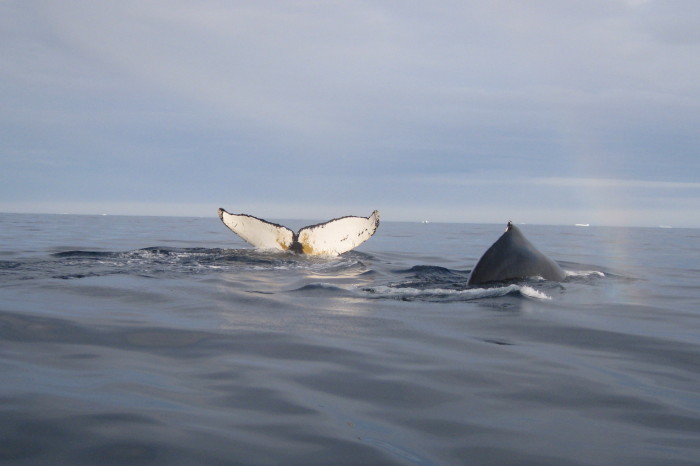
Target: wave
[7, 265]
[322, 289]
[84, 254]
[584, 273]
[446, 295]
[158, 261]
[343, 276]
[434, 272]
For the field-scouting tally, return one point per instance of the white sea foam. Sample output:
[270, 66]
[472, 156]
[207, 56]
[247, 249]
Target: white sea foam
[443, 294]
[584, 273]
[533, 293]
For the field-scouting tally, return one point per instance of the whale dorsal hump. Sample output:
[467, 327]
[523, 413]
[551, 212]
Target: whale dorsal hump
[512, 256]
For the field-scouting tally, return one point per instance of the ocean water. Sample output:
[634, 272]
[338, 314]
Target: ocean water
[145, 340]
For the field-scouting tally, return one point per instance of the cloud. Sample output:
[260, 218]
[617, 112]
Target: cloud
[614, 183]
[181, 101]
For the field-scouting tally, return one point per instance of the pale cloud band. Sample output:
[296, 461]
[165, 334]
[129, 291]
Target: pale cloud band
[457, 110]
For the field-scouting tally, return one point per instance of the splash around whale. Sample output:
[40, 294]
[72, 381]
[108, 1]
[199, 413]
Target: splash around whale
[512, 257]
[330, 238]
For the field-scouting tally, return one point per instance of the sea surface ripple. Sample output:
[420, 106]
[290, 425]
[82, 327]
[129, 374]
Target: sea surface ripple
[144, 340]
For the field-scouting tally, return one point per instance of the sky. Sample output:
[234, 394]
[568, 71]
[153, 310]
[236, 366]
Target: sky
[545, 111]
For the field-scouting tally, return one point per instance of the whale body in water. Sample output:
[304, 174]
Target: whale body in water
[512, 256]
[331, 238]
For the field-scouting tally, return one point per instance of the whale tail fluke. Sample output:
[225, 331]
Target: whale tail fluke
[332, 238]
[258, 232]
[338, 235]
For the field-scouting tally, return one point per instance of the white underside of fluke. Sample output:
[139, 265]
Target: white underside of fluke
[257, 232]
[330, 238]
[338, 236]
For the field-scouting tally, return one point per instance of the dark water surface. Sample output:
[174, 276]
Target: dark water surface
[138, 340]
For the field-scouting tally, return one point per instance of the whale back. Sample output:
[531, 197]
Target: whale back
[512, 256]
